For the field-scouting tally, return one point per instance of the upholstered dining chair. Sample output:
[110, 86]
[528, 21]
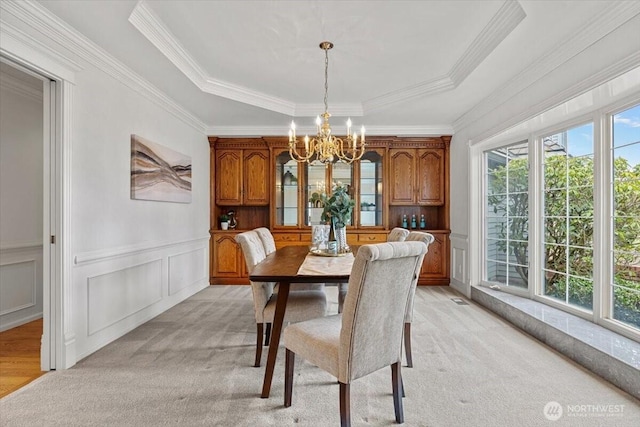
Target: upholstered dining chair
[427, 239]
[396, 235]
[269, 244]
[301, 305]
[367, 336]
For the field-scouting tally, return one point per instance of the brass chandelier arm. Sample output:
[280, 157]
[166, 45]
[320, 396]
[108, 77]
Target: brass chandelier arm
[325, 147]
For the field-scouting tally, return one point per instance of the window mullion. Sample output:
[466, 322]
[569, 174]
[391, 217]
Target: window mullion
[602, 182]
[536, 231]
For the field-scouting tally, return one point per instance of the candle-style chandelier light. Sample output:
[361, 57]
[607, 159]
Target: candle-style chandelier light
[326, 147]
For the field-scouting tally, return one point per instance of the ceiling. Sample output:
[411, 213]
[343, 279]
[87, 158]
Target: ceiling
[401, 67]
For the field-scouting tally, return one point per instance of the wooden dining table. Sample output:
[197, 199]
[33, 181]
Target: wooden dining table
[283, 266]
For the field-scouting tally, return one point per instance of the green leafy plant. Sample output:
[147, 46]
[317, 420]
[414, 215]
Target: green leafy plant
[339, 207]
[224, 218]
[577, 229]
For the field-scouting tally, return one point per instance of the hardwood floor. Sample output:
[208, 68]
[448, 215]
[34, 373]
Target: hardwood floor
[20, 356]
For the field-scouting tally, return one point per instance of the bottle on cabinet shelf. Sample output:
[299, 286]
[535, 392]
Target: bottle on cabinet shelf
[413, 222]
[423, 223]
[404, 221]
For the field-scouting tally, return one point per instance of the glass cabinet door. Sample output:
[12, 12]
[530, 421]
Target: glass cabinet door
[320, 178]
[316, 175]
[370, 187]
[287, 184]
[343, 173]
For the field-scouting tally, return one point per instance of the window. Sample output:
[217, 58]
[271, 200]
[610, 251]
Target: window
[585, 212]
[568, 216]
[625, 186]
[506, 206]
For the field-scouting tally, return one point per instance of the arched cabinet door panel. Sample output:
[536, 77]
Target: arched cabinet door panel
[229, 177]
[256, 178]
[227, 260]
[431, 176]
[402, 176]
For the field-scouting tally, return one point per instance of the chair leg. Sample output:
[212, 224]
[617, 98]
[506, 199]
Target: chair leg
[258, 345]
[345, 405]
[267, 337]
[396, 380]
[407, 344]
[289, 363]
[342, 293]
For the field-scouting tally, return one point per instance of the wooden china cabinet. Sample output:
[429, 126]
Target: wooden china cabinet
[257, 179]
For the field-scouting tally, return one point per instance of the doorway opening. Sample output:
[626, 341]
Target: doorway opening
[27, 189]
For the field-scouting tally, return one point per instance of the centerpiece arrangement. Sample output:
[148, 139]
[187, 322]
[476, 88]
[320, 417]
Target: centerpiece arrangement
[337, 212]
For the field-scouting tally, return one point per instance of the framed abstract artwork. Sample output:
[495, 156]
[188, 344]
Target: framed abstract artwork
[159, 173]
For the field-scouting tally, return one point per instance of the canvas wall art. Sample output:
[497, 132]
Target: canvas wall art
[159, 173]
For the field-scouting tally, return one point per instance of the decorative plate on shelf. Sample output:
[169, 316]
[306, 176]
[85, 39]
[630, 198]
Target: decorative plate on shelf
[324, 252]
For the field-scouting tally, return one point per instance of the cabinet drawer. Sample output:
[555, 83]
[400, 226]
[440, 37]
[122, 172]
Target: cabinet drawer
[372, 238]
[305, 237]
[286, 237]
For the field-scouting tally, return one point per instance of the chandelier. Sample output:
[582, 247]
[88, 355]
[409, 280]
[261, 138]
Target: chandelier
[326, 147]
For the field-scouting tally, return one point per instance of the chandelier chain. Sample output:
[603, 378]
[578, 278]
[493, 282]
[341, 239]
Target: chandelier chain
[326, 80]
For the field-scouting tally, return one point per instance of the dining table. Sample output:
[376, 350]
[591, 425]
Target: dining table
[289, 266]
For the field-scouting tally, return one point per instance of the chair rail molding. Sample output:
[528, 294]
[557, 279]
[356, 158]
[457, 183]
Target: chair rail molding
[105, 254]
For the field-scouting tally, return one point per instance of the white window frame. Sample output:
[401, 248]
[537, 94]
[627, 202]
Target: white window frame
[603, 207]
[516, 289]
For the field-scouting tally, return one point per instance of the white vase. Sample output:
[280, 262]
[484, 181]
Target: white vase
[224, 225]
[341, 238]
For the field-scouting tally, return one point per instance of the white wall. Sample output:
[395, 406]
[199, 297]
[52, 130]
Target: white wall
[124, 261]
[132, 258]
[602, 61]
[21, 152]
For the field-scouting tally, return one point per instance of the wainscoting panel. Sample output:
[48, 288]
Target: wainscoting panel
[114, 296]
[20, 285]
[459, 263]
[17, 286]
[118, 289]
[186, 269]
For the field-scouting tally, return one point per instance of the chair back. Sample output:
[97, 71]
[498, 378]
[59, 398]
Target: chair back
[397, 235]
[427, 239]
[267, 239]
[254, 252]
[374, 309]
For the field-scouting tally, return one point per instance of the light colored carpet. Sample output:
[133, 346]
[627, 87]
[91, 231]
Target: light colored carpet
[192, 366]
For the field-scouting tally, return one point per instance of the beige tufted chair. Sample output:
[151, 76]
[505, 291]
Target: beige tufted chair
[270, 246]
[427, 239]
[396, 235]
[367, 336]
[301, 305]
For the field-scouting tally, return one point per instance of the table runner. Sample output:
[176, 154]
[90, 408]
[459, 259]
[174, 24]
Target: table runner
[315, 265]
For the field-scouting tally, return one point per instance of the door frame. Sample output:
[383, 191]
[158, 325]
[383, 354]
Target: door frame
[58, 338]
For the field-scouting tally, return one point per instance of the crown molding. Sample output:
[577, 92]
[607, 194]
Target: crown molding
[23, 48]
[609, 73]
[506, 19]
[614, 15]
[56, 30]
[20, 88]
[437, 85]
[501, 24]
[254, 131]
[499, 27]
[151, 26]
